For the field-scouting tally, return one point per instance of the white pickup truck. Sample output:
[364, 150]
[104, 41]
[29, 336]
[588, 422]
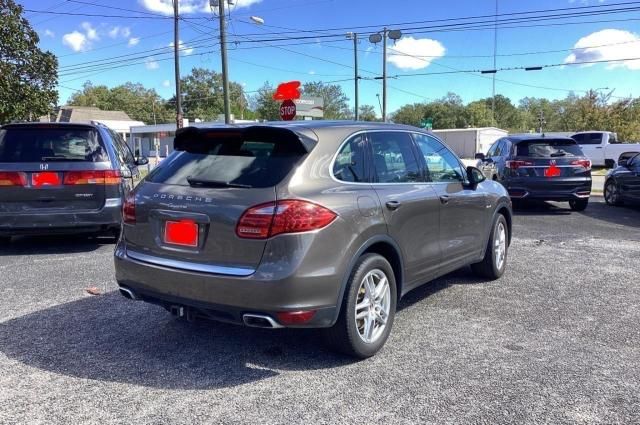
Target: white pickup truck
[603, 147]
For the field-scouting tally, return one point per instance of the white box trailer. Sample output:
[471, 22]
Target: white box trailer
[466, 142]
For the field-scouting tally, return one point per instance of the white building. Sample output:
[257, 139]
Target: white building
[466, 142]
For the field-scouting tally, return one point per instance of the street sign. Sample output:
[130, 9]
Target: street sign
[287, 110]
[427, 123]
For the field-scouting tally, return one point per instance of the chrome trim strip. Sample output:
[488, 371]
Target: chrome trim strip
[187, 265]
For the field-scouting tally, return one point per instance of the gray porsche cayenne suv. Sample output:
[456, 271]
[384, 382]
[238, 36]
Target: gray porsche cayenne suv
[307, 224]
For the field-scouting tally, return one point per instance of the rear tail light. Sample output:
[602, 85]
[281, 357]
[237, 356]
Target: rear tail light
[585, 163]
[13, 178]
[514, 165]
[287, 216]
[129, 209]
[107, 177]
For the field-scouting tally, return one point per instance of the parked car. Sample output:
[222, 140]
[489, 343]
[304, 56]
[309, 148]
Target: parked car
[63, 178]
[623, 183]
[308, 224]
[540, 168]
[603, 147]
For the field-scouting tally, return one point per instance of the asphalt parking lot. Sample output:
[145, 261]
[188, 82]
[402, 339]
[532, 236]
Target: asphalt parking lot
[556, 340]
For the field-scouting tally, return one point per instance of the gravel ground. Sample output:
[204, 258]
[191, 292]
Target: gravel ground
[556, 340]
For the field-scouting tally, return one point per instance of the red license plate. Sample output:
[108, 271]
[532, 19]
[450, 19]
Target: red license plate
[552, 171]
[183, 232]
[46, 178]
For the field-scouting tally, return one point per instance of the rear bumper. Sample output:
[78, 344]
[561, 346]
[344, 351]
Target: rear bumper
[227, 297]
[551, 189]
[105, 219]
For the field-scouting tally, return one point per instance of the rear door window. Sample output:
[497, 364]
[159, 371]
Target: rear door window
[591, 139]
[48, 144]
[393, 158]
[237, 162]
[350, 162]
[548, 148]
[442, 165]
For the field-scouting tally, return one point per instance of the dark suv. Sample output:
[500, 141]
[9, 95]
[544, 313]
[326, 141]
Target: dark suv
[541, 168]
[307, 224]
[63, 178]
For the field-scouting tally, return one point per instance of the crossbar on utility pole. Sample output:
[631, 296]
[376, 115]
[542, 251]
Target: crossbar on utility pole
[176, 54]
[225, 69]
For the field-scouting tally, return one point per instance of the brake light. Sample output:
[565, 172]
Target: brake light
[514, 165]
[288, 318]
[13, 178]
[183, 232]
[107, 177]
[288, 216]
[585, 163]
[129, 209]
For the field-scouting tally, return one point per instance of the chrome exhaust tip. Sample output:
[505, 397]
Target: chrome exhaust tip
[128, 293]
[260, 321]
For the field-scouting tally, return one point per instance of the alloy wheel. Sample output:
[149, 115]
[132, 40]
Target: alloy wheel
[373, 304]
[500, 245]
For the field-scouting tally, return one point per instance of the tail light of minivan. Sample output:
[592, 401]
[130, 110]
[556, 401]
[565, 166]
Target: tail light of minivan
[129, 209]
[287, 216]
[13, 178]
[107, 177]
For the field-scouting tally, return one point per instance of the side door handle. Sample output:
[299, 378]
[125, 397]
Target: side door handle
[393, 205]
[444, 199]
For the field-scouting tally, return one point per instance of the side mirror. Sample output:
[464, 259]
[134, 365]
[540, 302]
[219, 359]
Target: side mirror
[475, 176]
[143, 160]
[480, 156]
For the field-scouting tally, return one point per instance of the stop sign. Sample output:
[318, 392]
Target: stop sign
[287, 110]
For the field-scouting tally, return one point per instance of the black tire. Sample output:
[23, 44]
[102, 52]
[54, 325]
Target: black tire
[579, 204]
[489, 268]
[344, 336]
[612, 193]
[609, 163]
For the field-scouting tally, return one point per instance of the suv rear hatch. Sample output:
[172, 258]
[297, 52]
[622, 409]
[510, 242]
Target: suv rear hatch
[189, 206]
[53, 168]
[549, 159]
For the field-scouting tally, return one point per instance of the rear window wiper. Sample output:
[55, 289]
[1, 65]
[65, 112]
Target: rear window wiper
[194, 182]
[62, 158]
[559, 153]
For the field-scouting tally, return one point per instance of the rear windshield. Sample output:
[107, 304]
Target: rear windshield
[50, 144]
[245, 163]
[548, 148]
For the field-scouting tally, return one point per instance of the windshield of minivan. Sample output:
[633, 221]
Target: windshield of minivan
[34, 144]
[548, 148]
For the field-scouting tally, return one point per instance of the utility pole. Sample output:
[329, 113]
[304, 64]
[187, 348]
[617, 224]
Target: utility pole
[354, 36]
[541, 121]
[176, 55]
[225, 68]
[495, 52]
[384, 74]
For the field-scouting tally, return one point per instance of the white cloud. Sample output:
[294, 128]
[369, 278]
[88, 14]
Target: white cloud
[113, 32]
[188, 6]
[312, 72]
[92, 33]
[166, 83]
[77, 41]
[607, 45]
[125, 32]
[368, 50]
[151, 64]
[414, 53]
[133, 41]
[184, 49]
[117, 31]
[49, 33]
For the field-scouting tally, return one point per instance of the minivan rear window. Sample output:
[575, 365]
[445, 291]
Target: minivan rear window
[548, 148]
[237, 162]
[37, 144]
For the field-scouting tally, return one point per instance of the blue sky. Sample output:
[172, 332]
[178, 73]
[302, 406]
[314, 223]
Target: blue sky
[78, 39]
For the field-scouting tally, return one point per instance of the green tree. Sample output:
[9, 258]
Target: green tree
[138, 102]
[479, 114]
[263, 104]
[28, 76]
[410, 114]
[367, 113]
[336, 103]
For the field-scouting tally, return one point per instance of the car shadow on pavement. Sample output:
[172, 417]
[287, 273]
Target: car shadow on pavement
[108, 338]
[628, 215]
[59, 244]
[540, 208]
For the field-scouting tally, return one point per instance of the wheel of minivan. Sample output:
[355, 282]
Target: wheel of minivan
[368, 309]
[611, 193]
[494, 262]
[579, 204]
